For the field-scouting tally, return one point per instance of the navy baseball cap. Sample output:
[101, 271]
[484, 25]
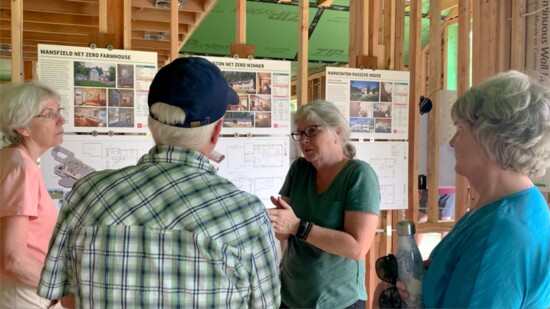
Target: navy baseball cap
[195, 85]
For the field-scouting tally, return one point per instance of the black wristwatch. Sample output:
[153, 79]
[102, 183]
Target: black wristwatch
[303, 230]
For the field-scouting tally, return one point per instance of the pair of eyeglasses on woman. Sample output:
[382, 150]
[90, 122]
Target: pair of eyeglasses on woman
[310, 131]
[51, 115]
[386, 270]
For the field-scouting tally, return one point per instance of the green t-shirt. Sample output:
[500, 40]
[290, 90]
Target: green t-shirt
[311, 277]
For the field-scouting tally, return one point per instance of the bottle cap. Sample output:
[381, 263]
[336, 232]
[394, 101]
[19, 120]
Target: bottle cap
[405, 228]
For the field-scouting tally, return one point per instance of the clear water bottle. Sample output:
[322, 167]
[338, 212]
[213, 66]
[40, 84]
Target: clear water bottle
[410, 266]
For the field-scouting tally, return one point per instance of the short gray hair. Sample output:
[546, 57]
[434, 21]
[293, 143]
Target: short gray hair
[328, 115]
[19, 103]
[164, 134]
[510, 117]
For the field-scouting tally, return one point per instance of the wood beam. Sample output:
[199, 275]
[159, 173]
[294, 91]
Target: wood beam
[488, 65]
[55, 18]
[174, 33]
[518, 35]
[48, 28]
[414, 112]
[504, 35]
[477, 53]
[16, 41]
[373, 25]
[47, 7]
[103, 13]
[162, 16]
[399, 34]
[157, 26]
[389, 34]
[240, 26]
[303, 40]
[463, 84]
[188, 5]
[443, 6]
[434, 86]
[127, 32]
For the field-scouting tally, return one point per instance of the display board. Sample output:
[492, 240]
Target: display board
[390, 162]
[264, 91]
[375, 102]
[257, 165]
[101, 90]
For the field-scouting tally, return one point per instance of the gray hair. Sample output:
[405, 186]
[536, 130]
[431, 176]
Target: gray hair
[510, 117]
[328, 115]
[164, 134]
[19, 103]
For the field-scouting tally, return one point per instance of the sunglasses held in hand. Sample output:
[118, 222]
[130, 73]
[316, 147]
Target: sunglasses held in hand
[386, 269]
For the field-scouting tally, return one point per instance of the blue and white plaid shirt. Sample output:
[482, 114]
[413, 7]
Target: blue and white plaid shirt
[165, 233]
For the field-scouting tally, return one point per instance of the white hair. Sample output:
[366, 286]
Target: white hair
[510, 117]
[19, 103]
[165, 134]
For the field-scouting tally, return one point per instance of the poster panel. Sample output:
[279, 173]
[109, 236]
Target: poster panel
[101, 90]
[537, 47]
[390, 162]
[257, 165]
[264, 91]
[375, 102]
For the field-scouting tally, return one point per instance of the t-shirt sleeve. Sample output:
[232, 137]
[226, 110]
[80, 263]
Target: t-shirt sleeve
[364, 190]
[20, 193]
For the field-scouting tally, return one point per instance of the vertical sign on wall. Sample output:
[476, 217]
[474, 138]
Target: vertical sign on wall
[538, 44]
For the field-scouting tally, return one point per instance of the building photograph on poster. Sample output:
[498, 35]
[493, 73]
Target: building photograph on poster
[94, 74]
[364, 91]
[125, 76]
[376, 102]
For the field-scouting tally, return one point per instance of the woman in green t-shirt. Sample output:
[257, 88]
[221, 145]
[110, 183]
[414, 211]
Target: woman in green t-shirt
[326, 216]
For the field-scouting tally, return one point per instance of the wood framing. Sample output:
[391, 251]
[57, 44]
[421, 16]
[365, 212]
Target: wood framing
[303, 24]
[434, 86]
[414, 112]
[518, 27]
[463, 83]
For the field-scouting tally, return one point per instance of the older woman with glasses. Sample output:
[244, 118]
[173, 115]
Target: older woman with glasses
[498, 254]
[326, 216]
[31, 121]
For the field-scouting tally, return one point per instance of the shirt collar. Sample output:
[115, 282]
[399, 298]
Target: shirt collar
[174, 154]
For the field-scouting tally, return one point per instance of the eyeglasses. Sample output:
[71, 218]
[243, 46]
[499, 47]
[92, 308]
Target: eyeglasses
[386, 270]
[310, 131]
[51, 115]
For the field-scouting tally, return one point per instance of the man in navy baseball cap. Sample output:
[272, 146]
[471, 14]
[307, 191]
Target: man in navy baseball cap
[185, 236]
[197, 87]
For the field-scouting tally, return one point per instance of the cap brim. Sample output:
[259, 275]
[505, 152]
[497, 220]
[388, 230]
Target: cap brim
[232, 97]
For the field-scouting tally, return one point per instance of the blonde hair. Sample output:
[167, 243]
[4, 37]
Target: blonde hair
[328, 115]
